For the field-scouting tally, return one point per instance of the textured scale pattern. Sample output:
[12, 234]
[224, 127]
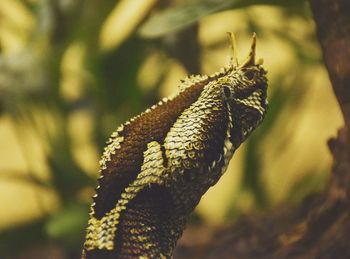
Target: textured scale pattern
[157, 166]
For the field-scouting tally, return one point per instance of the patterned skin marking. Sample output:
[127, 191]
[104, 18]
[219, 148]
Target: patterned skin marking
[101, 233]
[157, 166]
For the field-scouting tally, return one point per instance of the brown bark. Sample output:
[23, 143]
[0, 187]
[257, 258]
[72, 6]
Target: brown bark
[320, 227]
[332, 19]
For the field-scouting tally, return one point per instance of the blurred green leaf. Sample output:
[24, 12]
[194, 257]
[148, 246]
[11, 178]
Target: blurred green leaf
[178, 17]
[311, 182]
[21, 236]
[68, 225]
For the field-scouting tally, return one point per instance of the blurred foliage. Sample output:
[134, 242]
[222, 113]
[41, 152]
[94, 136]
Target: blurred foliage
[83, 59]
[182, 15]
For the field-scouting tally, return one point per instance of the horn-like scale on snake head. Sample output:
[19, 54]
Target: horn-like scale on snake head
[156, 167]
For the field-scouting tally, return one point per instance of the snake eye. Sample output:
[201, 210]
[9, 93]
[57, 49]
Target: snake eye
[249, 75]
[226, 91]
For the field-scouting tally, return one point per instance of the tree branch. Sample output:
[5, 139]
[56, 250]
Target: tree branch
[333, 30]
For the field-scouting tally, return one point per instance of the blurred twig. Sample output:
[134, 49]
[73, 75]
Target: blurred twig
[23, 177]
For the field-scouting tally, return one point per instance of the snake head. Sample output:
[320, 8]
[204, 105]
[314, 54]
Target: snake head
[244, 89]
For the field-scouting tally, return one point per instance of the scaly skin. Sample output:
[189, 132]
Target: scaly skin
[158, 165]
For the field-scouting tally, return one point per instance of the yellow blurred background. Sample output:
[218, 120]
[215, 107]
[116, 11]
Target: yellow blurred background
[292, 159]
